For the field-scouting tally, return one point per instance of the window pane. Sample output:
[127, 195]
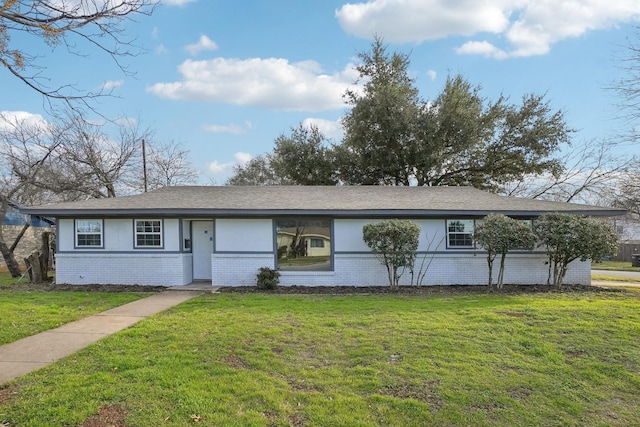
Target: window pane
[148, 233]
[89, 226]
[460, 232]
[148, 240]
[317, 243]
[89, 240]
[304, 244]
[89, 232]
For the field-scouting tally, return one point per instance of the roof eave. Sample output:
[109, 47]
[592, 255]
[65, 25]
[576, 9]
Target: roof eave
[369, 213]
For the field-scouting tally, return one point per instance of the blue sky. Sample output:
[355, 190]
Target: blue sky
[226, 78]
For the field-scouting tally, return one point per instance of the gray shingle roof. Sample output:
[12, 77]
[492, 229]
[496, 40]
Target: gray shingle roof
[300, 200]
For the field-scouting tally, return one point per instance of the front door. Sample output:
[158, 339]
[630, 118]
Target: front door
[202, 241]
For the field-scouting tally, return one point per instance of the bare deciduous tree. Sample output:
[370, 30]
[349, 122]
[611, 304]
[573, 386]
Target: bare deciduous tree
[26, 150]
[168, 164]
[74, 25]
[628, 194]
[102, 166]
[73, 159]
[590, 173]
[628, 89]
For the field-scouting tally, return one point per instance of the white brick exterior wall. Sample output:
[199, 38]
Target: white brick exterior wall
[242, 246]
[158, 269]
[238, 269]
[366, 270]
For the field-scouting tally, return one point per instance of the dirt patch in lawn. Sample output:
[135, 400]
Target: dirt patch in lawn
[107, 416]
[7, 393]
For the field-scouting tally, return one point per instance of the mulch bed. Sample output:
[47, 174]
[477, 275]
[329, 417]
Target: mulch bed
[49, 286]
[322, 290]
[414, 290]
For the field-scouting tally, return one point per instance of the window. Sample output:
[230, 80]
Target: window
[303, 244]
[460, 233]
[316, 243]
[89, 233]
[148, 233]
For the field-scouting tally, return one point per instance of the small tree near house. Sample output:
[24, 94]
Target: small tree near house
[498, 234]
[571, 237]
[395, 243]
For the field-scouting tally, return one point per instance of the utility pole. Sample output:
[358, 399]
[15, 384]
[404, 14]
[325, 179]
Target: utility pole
[144, 166]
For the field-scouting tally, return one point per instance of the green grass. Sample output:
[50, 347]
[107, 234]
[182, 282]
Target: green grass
[613, 278]
[6, 279]
[274, 360]
[25, 313]
[303, 260]
[614, 265]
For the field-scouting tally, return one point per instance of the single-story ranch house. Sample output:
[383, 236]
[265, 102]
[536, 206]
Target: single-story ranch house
[312, 235]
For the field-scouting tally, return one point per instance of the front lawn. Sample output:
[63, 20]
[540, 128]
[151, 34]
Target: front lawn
[28, 313]
[279, 360]
[614, 265]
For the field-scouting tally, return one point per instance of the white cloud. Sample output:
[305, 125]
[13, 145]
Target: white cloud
[331, 129]
[218, 168]
[10, 119]
[420, 20]
[242, 158]
[528, 27]
[204, 43]
[112, 84]
[432, 74]
[161, 49]
[230, 128]
[481, 48]
[270, 83]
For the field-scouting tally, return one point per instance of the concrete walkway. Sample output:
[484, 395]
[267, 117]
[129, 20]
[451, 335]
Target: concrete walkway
[31, 353]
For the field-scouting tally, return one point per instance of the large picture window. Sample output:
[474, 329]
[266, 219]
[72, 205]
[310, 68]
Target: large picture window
[148, 233]
[460, 233]
[304, 244]
[88, 233]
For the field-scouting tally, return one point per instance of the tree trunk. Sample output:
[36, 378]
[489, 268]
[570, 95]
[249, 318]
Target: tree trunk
[14, 245]
[35, 272]
[9, 258]
[45, 254]
[501, 272]
[490, 264]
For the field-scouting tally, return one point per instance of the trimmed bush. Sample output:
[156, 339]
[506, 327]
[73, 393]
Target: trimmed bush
[268, 278]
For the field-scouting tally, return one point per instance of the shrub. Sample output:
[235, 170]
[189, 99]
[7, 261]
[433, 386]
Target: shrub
[499, 234]
[570, 237]
[268, 278]
[395, 243]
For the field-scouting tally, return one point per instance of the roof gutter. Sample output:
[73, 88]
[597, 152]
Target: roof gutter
[261, 213]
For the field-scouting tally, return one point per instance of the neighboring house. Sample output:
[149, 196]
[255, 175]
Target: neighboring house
[13, 223]
[628, 229]
[176, 235]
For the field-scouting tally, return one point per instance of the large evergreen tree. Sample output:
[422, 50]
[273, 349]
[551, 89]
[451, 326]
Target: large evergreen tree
[380, 128]
[392, 137]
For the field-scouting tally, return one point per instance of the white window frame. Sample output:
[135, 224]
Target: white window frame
[470, 232]
[159, 233]
[88, 232]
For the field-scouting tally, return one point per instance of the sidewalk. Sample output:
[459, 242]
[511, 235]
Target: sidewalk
[31, 353]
